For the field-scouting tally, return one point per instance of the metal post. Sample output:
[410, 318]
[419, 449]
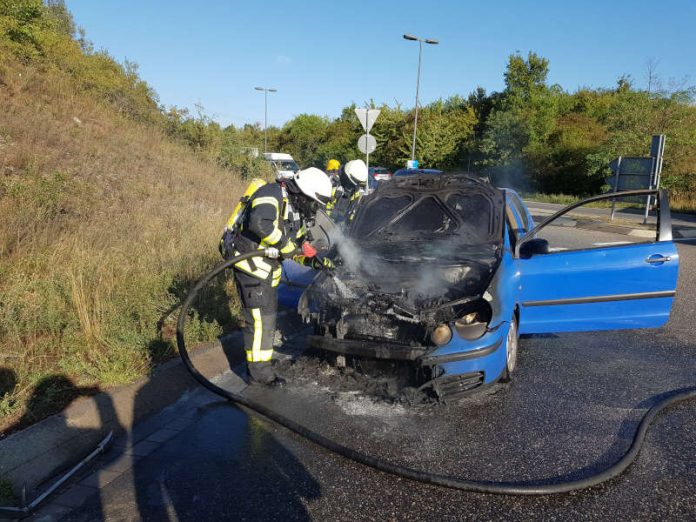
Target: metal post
[367, 148]
[415, 121]
[655, 171]
[616, 187]
[265, 120]
[651, 184]
[265, 90]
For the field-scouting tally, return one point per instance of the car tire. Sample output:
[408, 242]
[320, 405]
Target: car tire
[512, 344]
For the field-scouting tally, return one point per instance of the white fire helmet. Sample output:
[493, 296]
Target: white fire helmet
[314, 183]
[356, 170]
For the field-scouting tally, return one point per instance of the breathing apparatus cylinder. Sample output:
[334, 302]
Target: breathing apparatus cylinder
[226, 246]
[255, 185]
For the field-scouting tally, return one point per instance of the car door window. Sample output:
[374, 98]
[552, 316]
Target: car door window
[594, 225]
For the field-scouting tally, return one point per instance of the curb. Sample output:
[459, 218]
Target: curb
[31, 456]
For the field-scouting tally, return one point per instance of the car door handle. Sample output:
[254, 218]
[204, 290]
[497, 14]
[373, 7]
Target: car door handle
[657, 259]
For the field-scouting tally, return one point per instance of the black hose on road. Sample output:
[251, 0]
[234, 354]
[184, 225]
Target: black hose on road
[479, 486]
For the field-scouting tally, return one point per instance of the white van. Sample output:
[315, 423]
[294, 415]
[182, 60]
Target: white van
[283, 164]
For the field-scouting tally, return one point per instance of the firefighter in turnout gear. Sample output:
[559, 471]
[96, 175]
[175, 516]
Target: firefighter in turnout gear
[353, 181]
[333, 169]
[271, 219]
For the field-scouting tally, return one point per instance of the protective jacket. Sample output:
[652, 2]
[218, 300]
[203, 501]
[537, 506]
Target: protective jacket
[268, 221]
[344, 205]
[336, 192]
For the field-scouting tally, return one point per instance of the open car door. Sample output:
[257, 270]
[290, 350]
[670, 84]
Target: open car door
[581, 271]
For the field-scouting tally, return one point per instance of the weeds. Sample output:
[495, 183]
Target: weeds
[7, 496]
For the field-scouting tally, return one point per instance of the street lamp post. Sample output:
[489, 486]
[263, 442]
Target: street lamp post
[420, 54]
[265, 90]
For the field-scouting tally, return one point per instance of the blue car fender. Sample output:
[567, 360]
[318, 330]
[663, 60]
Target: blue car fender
[487, 354]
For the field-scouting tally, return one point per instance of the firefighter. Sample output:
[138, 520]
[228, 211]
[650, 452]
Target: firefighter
[272, 219]
[333, 168]
[353, 180]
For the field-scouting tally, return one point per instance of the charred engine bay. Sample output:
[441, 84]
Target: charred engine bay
[420, 252]
[398, 294]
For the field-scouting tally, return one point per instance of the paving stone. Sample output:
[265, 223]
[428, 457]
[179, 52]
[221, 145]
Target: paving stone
[121, 464]
[144, 448]
[51, 512]
[162, 435]
[180, 423]
[75, 496]
[100, 478]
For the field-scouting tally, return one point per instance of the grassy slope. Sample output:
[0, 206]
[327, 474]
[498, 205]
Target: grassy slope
[104, 223]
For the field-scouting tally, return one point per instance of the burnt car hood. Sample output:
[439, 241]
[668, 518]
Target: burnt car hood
[408, 281]
[411, 276]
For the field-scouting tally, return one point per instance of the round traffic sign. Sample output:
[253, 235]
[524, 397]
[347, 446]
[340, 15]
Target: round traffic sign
[367, 143]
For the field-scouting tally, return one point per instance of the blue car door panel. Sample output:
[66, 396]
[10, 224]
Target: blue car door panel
[613, 285]
[598, 289]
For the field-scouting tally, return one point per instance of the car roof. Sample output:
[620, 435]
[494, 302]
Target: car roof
[412, 172]
[280, 156]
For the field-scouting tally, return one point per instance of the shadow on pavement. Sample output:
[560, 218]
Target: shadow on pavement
[57, 392]
[227, 466]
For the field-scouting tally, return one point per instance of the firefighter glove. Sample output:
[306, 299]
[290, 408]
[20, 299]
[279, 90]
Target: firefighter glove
[308, 250]
[327, 264]
[272, 253]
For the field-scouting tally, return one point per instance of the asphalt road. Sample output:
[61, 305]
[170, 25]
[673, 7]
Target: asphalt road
[571, 410]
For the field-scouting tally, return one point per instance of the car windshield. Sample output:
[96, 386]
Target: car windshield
[408, 218]
[287, 165]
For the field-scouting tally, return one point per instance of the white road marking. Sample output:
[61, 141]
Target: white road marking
[612, 243]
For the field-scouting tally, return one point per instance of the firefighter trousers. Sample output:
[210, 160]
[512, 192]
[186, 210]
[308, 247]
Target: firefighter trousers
[259, 310]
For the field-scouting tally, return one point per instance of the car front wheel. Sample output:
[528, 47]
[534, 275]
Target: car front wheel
[511, 347]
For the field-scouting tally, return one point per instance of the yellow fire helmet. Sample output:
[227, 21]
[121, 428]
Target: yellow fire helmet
[332, 164]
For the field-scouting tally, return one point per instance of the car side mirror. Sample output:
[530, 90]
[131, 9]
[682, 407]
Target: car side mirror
[533, 247]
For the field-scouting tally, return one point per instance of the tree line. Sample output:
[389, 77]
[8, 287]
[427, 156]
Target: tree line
[531, 135]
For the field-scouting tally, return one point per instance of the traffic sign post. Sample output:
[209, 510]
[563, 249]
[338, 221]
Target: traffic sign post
[367, 143]
[657, 150]
[615, 167]
[631, 173]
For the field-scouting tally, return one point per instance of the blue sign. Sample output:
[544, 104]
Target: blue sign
[412, 164]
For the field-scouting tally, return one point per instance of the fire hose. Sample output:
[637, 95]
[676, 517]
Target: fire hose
[546, 487]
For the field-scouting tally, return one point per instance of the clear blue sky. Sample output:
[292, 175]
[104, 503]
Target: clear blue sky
[323, 55]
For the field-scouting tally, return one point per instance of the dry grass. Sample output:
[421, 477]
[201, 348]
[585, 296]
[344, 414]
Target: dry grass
[104, 223]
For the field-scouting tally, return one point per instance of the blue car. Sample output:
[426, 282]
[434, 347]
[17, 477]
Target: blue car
[446, 272]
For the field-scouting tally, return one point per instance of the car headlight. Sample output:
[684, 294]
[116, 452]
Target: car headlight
[470, 326]
[441, 335]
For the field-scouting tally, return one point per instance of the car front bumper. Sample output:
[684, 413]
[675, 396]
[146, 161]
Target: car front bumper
[369, 349]
[485, 355]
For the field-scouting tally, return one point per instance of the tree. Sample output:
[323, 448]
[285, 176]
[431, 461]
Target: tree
[302, 136]
[521, 120]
